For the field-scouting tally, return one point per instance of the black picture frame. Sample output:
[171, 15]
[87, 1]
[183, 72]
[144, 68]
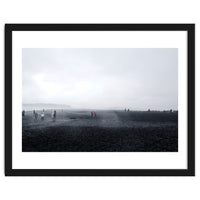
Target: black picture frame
[190, 28]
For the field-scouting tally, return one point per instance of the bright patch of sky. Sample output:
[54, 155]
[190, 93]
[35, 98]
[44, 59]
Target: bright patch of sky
[102, 78]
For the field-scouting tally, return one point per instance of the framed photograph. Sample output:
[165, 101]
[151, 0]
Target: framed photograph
[99, 99]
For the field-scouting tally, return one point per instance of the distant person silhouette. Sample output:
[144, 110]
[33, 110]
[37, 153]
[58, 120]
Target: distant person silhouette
[23, 113]
[54, 114]
[42, 116]
[36, 116]
[91, 114]
[95, 114]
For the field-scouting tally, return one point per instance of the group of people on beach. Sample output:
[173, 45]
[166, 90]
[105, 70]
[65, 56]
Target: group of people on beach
[53, 115]
[127, 110]
[93, 114]
[36, 115]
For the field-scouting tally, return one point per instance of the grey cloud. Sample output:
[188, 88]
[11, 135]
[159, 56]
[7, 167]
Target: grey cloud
[102, 78]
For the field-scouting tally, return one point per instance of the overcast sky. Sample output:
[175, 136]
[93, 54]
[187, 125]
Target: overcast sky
[102, 78]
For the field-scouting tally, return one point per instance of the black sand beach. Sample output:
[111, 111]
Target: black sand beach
[110, 131]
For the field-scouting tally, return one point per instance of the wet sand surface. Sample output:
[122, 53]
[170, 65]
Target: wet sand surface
[109, 131]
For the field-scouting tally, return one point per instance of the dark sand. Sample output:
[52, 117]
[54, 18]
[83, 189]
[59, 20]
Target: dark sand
[110, 131]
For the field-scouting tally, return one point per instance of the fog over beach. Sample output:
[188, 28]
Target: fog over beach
[101, 78]
[100, 100]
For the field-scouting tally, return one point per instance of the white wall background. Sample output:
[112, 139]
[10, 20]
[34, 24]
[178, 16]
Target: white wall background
[104, 11]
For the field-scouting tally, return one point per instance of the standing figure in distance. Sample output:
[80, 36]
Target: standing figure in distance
[54, 115]
[42, 116]
[33, 113]
[36, 116]
[91, 114]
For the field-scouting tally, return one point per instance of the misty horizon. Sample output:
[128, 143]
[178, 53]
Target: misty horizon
[137, 79]
[50, 106]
